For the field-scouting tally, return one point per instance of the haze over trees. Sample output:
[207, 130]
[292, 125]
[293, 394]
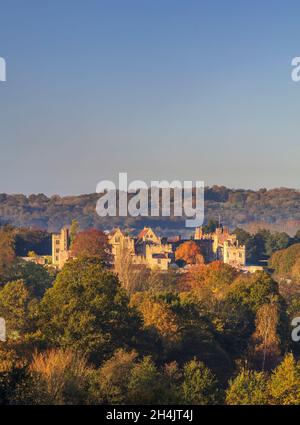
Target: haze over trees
[275, 209]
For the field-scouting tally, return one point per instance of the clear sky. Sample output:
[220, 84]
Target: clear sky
[162, 89]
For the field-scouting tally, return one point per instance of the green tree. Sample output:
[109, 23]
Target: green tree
[87, 310]
[277, 241]
[35, 240]
[145, 386]
[14, 308]
[297, 236]
[285, 263]
[7, 252]
[36, 277]
[199, 384]
[249, 387]
[172, 380]
[254, 290]
[255, 245]
[242, 235]
[74, 229]
[285, 382]
[211, 226]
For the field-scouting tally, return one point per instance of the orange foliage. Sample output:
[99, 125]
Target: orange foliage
[190, 253]
[158, 315]
[208, 280]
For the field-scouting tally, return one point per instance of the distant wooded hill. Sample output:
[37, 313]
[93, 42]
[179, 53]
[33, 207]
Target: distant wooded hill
[276, 209]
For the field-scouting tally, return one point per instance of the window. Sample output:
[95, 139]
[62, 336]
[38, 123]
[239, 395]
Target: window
[57, 250]
[57, 241]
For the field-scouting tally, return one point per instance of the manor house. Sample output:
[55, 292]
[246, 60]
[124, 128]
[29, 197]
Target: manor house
[154, 252]
[146, 249]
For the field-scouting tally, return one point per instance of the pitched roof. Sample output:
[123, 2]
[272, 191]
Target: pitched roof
[114, 231]
[143, 232]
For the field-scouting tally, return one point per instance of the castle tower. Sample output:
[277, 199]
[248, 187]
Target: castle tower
[198, 234]
[60, 247]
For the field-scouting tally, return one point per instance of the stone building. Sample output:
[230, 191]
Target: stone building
[154, 252]
[61, 247]
[234, 254]
[120, 242]
[146, 249]
[225, 246]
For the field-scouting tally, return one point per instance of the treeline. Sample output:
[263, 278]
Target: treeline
[24, 240]
[263, 244]
[277, 208]
[259, 246]
[90, 334]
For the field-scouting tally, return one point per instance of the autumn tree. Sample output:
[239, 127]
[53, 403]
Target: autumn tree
[133, 277]
[162, 281]
[14, 377]
[114, 376]
[91, 243]
[210, 281]
[189, 252]
[157, 314]
[60, 377]
[265, 349]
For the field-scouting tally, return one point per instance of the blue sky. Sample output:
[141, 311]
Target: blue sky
[162, 89]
